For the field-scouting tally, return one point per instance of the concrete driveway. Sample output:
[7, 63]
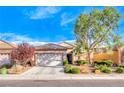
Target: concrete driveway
[45, 70]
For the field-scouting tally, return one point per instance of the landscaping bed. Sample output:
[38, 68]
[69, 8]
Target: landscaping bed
[15, 69]
[98, 67]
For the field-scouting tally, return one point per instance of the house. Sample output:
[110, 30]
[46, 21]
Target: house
[5, 50]
[54, 54]
[45, 55]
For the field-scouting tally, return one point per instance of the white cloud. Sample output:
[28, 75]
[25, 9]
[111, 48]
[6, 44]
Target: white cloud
[66, 19]
[71, 41]
[17, 39]
[14, 37]
[43, 12]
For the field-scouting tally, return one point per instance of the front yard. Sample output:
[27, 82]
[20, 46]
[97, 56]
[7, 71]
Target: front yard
[98, 67]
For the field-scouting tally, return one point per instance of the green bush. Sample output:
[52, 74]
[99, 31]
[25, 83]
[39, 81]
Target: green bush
[75, 70]
[82, 62]
[6, 66]
[67, 69]
[104, 69]
[121, 66]
[65, 62]
[120, 70]
[108, 63]
[107, 70]
[3, 70]
[70, 69]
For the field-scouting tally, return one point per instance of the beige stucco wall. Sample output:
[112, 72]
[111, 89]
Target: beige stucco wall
[69, 50]
[114, 56]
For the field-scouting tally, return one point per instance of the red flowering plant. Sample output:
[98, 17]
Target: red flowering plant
[23, 54]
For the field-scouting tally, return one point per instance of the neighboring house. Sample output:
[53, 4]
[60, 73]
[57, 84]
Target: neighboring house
[5, 50]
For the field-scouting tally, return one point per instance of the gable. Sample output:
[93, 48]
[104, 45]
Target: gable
[66, 45]
[5, 45]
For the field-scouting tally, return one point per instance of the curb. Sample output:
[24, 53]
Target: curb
[59, 77]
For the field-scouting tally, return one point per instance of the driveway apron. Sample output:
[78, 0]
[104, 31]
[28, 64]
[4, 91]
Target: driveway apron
[44, 70]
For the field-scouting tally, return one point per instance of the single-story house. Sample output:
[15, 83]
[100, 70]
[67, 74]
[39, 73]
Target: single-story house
[54, 54]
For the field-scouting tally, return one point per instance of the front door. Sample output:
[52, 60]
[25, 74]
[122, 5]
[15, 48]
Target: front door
[69, 56]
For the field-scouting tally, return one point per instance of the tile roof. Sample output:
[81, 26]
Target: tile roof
[67, 45]
[51, 46]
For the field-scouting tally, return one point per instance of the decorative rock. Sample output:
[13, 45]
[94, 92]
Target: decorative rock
[85, 69]
[97, 71]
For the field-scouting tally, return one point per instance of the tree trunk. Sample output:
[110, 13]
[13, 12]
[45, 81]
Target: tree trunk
[78, 57]
[89, 57]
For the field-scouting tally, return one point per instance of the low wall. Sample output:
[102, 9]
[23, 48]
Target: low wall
[114, 56]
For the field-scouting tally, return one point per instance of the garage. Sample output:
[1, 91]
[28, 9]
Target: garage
[4, 59]
[50, 55]
[49, 59]
[5, 51]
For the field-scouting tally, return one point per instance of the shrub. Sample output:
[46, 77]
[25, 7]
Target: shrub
[6, 66]
[104, 69]
[23, 54]
[108, 63]
[4, 70]
[120, 70]
[65, 62]
[75, 70]
[82, 62]
[107, 70]
[121, 66]
[67, 69]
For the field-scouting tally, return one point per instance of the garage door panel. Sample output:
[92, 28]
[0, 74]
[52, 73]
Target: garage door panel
[49, 59]
[4, 59]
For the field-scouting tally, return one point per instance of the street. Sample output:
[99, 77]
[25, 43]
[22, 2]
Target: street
[62, 83]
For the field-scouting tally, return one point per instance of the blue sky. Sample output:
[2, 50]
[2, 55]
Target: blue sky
[43, 24]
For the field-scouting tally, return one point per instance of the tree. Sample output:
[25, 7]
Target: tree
[23, 54]
[97, 28]
[78, 50]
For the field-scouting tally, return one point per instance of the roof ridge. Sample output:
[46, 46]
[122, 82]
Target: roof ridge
[51, 45]
[67, 43]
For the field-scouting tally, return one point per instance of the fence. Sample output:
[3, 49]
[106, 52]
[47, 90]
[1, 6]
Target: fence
[114, 56]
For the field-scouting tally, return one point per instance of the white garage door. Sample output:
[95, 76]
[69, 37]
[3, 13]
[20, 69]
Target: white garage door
[49, 59]
[4, 59]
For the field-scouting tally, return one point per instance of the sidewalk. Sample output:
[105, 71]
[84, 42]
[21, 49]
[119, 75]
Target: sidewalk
[64, 77]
